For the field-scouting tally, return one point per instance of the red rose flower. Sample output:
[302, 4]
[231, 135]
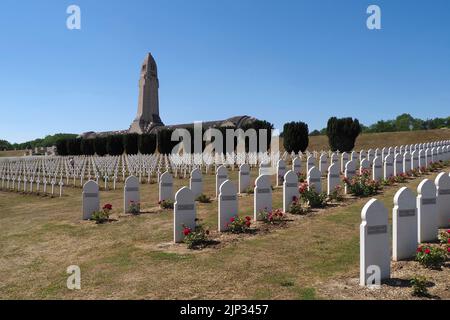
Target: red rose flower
[232, 220]
[427, 251]
[186, 231]
[419, 249]
[248, 218]
[248, 223]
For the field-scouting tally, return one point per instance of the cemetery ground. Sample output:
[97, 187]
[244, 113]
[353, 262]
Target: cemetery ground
[312, 257]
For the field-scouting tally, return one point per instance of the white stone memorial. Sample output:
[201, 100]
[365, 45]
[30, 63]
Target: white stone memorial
[196, 182]
[166, 187]
[375, 260]
[91, 199]
[262, 196]
[130, 193]
[290, 189]
[184, 213]
[427, 213]
[404, 225]
[228, 204]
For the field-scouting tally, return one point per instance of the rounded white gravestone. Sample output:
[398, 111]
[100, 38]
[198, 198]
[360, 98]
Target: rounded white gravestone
[310, 162]
[323, 163]
[221, 177]
[398, 164]
[377, 169]
[281, 171]
[196, 182]
[166, 187]
[90, 199]
[374, 243]
[262, 196]
[290, 189]
[296, 165]
[427, 214]
[364, 165]
[404, 225]
[442, 183]
[184, 213]
[388, 166]
[244, 177]
[130, 193]
[314, 180]
[333, 178]
[228, 204]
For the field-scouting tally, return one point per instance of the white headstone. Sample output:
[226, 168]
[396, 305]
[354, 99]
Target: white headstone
[166, 187]
[184, 213]
[290, 189]
[90, 199]
[374, 244]
[281, 171]
[442, 183]
[398, 164]
[310, 162]
[377, 168]
[344, 160]
[404, 225]
[296, 165]
[196, 182]
[427, 212]
[228, 204]
[323, 163]
[388, 170]
[314, 180]
[262, 196]
[221, 177]
[407, 162]
[333, 178]
[364, 165]
[130, 193]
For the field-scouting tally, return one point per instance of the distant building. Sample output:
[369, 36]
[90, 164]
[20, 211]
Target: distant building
[147, 118]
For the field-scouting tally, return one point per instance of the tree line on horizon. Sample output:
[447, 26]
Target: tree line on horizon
[70, 144]
[404, 122]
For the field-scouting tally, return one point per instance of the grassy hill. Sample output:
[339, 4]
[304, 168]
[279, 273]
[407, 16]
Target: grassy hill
[12, 153]
[376, 140]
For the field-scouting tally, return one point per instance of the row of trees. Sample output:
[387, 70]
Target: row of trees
[112, 145]
[48, 141]
[148, 143]
[404, 122]
[342, 134]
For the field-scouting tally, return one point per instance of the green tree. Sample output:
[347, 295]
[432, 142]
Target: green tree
[130, 142]
[165, 143]
[147, 143]
[73, 146]
[114, 145]
[342, 133]
[296, 136]
[61, 147]
[87, 147]
[100, 146]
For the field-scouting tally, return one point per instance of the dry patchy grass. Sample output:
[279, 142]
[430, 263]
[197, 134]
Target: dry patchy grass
[132, 258]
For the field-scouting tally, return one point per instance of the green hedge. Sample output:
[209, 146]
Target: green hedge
[295, 136]
[342, 133]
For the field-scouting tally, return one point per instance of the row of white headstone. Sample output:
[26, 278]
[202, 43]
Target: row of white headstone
[415, 220]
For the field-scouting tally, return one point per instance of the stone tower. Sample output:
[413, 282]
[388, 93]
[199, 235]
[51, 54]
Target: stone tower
[148, 104]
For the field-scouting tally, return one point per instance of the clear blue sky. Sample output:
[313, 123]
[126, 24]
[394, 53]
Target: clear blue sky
[275, 60]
